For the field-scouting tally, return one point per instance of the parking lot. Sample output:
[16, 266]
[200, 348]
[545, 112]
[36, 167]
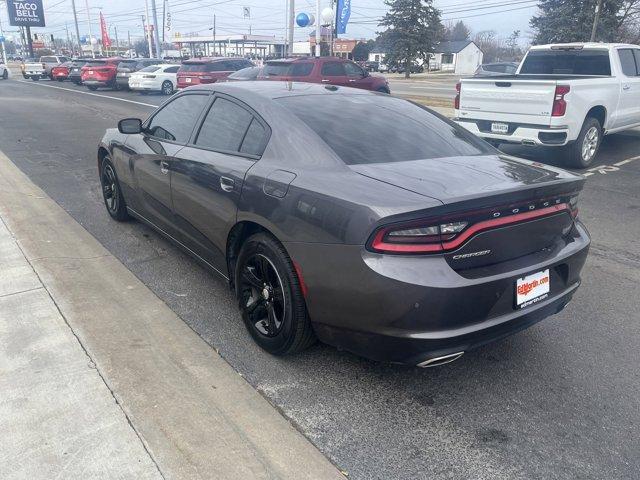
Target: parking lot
[558, 401]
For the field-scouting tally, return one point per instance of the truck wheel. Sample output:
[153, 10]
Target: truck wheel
[35, 79]
[584, 150]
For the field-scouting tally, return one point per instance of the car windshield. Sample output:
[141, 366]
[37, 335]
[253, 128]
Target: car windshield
[277, 68]
[151, 68]
[381, 129]
[567, 62]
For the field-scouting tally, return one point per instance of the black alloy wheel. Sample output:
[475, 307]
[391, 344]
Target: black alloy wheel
[270, 297]
[111, 193]
[5, 74]
[167, 87]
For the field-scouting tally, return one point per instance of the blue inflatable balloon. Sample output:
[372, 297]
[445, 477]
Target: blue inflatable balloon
[302, 19]
[1, 38]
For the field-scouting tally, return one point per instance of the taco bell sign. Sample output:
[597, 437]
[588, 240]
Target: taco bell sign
[28, 13]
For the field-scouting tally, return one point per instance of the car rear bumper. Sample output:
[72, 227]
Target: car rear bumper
[147, 85]
[409, 309]
[98, 83]
[525, 134]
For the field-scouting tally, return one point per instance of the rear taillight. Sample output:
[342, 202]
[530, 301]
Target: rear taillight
[449, 233]
[559, 103]
[456, 102]
[573, 206]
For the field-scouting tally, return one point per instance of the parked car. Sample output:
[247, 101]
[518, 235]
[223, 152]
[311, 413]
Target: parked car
[130, 65]
[61, 72]
[23, 65]
[329, 70]
[496, 69]
[390, 232]
[563, 95]
[155, 78]
[246, 74]
[34, 70]
[100, 73]
[415, 68]
[372, 66]
[75, 71]
[50, 61]
[4, 71]
[209, 70]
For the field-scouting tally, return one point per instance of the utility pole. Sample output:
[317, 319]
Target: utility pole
[164, 17]
[66, 27]
[93, 53]
[29, 41]
[292, 14]
[214, 34]
[130, 47]
[75, 19]
[318, 29]
[117, 43]
[4, 48]
[596, 20]
[156, 33]
[148, 28]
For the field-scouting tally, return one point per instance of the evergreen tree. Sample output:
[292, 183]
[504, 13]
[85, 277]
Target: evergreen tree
[563, 21]
[459, 31]
[413, 30]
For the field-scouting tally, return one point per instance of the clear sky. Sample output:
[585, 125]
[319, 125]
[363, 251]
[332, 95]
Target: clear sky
[268, 16]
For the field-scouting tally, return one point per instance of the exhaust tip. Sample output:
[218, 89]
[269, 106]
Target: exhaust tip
[434, 362]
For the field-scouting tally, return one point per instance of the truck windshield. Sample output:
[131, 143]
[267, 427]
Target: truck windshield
[566, 62]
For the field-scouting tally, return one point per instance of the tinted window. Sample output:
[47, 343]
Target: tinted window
[49, 60]
[353, 70]
[176, 120]
[381, 129]
[567, 62]
[301, 69]
[276, 68]
[170, 69]
[333, 69]
[96, 63]
[636, 53]
[255, 139]
[495, 68]
[246, 73]
[221, 66]
[628, 62]
[150, 69]
[510, 69]
[224, 127]
[192, 67]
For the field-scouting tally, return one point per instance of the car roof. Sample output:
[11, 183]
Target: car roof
[306, 59]
[211, 59]
[275, 89]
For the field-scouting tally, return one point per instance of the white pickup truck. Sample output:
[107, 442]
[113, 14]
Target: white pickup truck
[565, 95]
[34, 70]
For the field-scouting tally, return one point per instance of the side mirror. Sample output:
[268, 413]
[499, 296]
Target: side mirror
[130, 126]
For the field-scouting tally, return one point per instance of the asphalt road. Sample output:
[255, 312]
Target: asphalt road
[558, 401]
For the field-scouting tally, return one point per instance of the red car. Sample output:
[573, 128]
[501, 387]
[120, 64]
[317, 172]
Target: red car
[100, 72]
[208, 70]
[330, 70]
[61, 72]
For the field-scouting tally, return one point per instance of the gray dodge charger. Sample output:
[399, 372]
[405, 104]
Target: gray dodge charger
[361, 219]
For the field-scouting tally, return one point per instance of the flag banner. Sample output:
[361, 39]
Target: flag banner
[106, 41]
[343, 12]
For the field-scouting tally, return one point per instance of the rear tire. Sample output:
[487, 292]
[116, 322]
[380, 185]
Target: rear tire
[384, 90]
[93, 88]
[111, 192]
[270, 297]
[167, 88]
[582, 152]
[5, 75]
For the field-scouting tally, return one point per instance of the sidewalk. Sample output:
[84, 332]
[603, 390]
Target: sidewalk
[100, 379]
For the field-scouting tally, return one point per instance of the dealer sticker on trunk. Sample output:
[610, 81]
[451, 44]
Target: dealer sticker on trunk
[532, 289]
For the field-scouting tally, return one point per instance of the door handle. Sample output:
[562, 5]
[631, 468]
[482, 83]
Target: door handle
[325, 80]
[164, 167]
[626, 87]
[227, 184]
[352, 80]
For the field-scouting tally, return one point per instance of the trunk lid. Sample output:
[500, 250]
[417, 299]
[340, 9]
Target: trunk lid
[512, 207]
[524, 101]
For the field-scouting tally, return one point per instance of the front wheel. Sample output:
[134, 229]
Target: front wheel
[584, 150]
[111, 192]
[167, 87]
[270, 297]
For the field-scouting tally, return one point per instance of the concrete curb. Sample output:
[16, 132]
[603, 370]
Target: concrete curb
[195, 415]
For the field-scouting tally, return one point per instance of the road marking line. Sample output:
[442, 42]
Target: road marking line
[89, 93]
[628, 160]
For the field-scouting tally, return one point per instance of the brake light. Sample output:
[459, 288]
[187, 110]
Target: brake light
[559, 103]
[442, 235]
[456, 102]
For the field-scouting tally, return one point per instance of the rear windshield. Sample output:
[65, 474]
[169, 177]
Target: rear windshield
[276, 68]
[192, 67]
[96, 63]
[567, 62]
[151, 68]
[381, 129]
[49, 60]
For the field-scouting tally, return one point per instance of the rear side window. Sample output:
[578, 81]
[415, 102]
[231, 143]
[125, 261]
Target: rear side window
[301, 69]
[255, 139]
[567, 62]
[224, 127]
[381, 129]
[171, 69]
[628, 62]
[175, 121]
[333, 69]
